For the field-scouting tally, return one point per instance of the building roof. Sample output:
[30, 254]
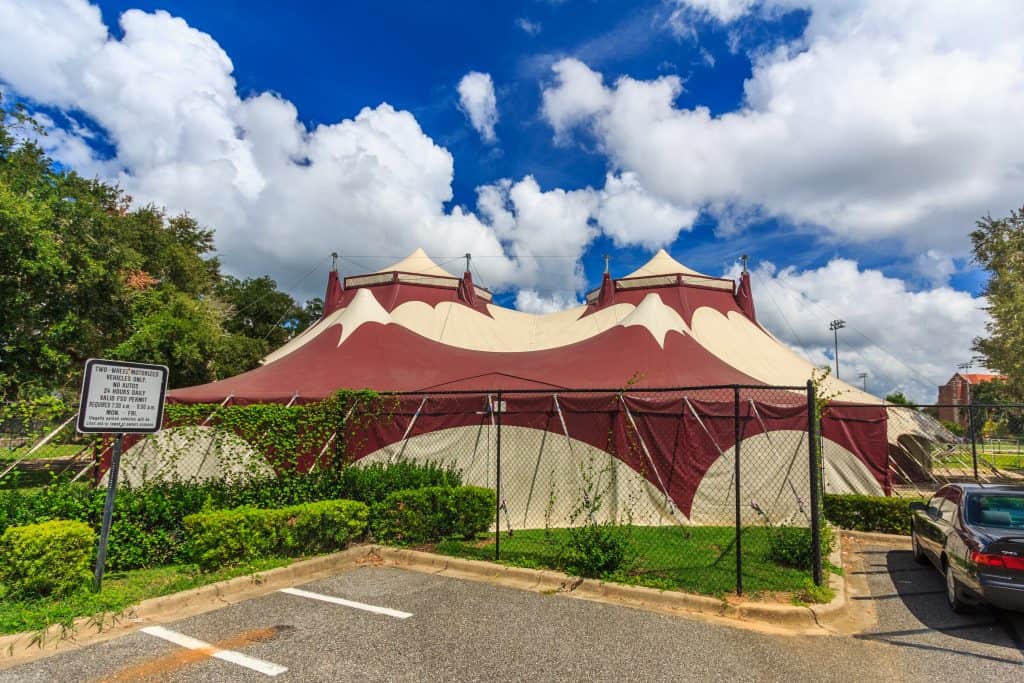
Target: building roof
[980, 377]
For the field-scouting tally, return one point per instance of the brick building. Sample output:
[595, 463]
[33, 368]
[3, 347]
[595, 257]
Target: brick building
[957, 391]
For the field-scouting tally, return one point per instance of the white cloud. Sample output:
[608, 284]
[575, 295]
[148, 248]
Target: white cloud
[905, 340]
[478, 101]
[547, 232]
[631, 216]
[277, 194]
[886, 119]
[935, 267]
[724, 11]
[529, 301]
[528, 26]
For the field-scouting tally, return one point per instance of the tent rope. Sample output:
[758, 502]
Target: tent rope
[572, 454]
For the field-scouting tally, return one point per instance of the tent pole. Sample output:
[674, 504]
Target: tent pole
[334, 435]
[408, 430]
[568, 441]
[669, 503]
[778, 454]
[39, 444]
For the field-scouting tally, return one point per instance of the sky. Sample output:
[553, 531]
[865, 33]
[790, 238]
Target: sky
[846, 146]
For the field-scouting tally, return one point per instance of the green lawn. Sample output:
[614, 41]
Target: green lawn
[120, 590]
[693, 559]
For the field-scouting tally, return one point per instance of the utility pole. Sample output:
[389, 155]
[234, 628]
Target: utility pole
[835, 326]
[863, 377]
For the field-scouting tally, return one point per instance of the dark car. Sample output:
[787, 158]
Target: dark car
[974, 535]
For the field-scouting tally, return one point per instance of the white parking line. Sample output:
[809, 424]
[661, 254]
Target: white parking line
[347, 603]
[263, 667]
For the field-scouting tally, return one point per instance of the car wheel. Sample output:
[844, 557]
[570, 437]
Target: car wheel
[956, 603]
[915, 546]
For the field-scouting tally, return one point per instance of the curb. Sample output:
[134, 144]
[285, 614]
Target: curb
[794, 617]
[877, 536]
[18, 648]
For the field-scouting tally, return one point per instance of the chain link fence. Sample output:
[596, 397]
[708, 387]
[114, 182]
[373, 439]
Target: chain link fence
[646, 486]
[709, 489]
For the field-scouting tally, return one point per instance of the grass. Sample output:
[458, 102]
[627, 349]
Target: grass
[696, 559]
[120, 590]
[58, 450]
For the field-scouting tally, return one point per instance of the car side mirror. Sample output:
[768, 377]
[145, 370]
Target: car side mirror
[918, 505]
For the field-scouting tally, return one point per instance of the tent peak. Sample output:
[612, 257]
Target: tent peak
[662, 264]
[417, 262]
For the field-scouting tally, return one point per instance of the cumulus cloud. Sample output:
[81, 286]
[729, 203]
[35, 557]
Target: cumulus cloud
[478, 101]
[276, 192]
[547, 232]
[631, 216]
[529, 301]
[883, 120]
[905, 340]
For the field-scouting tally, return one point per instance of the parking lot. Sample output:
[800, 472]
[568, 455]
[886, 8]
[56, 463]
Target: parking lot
[909, 605]
[377, 623]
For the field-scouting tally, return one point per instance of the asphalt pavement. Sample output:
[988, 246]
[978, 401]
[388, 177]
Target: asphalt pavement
[439, 628]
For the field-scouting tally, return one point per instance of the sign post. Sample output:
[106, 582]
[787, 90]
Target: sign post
[119, 398]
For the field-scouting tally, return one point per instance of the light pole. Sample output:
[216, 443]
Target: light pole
[835, 326]
[863, 377]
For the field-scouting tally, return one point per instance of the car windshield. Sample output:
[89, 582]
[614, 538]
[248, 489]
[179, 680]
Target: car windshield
[1005, 510]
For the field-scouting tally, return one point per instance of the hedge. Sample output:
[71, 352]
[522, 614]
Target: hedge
[147, 529]
[433, 513]
[51, 558]
[791, 546]
[869, 513]
[223, 537]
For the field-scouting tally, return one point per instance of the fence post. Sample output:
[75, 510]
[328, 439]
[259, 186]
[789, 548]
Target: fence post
[736, 477]
[974, 440]
[812, 449]
[497, 481]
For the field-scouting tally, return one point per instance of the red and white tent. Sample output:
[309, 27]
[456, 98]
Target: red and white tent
[414, 327]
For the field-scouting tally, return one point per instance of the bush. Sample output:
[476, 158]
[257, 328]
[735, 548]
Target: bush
[147, 528]
[869, 513]
[594, 550]
[791, 546]
[221, 537]
[433, 513]
[51, 558]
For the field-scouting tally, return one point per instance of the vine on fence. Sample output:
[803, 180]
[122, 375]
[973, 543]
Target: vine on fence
[284, 433]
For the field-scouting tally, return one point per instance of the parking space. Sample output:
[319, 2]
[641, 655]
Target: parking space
[911, 611]
[377, 624]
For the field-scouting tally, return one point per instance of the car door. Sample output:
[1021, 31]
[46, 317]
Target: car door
[949, 515]
[929, 534]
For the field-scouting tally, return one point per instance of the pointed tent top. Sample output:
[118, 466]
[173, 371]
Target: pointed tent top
[662, 264]
[417, 262]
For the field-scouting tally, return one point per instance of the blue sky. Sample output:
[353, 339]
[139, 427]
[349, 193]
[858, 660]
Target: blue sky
[847, 147]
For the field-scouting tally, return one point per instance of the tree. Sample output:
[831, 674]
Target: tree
[259, 310]
[186, 334]
[999, 248]
[897, 398]
[83, 274]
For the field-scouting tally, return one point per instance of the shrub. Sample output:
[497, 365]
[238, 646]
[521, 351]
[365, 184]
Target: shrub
[594, 550]
[50, 558]
[791, 546]
[433, 513]
[222, 537]
[869, 513]
[147, 528]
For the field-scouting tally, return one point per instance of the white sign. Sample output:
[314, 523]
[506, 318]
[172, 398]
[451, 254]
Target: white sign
[119, 397]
